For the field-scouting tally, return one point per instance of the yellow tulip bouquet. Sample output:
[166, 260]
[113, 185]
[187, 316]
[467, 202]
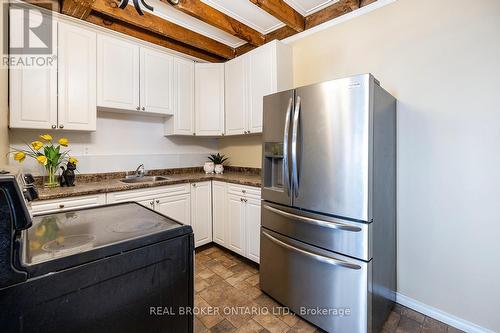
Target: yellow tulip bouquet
[47, 154]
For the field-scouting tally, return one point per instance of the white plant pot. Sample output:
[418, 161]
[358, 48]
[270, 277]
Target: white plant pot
[219, 169]
[209, 167]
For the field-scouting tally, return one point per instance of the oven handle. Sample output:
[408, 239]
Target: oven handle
[321, 223]
[327, 260]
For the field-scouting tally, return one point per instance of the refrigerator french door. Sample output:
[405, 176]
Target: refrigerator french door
[328, 211]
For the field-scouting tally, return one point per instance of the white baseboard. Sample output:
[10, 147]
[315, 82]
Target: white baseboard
[440, 315]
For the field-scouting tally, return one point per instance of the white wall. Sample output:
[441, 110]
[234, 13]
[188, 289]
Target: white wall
[441, 59]
[122, 142]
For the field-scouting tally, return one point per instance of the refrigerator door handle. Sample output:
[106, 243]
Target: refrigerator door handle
[317, 257]
[295, 172]
[321, 223]
[286, 134]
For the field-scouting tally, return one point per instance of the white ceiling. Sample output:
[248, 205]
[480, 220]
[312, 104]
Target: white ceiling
[307, 7]
[241, 10]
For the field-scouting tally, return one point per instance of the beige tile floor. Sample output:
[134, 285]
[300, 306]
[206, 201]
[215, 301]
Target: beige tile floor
[228, 299]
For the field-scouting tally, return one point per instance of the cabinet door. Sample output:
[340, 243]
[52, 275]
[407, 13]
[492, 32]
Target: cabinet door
[177, 207]
[156, 81]
[219, 213]
[209, 99]
[76, 78]
[262, 73]
[252, 223]
[235, 219]
[117, 74]
[60, 205]
[33, 89]
[201, 212]
[236, 95]
[147, 203]
[182, 122]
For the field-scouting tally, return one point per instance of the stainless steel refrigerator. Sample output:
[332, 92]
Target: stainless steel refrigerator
[328, 236]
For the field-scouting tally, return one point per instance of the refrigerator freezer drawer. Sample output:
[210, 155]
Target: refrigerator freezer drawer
[329, 290]
[341, 236]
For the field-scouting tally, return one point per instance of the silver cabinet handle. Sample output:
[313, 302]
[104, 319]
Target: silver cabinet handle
[54, 126]
[138, 108]
[157, 201]
[61, 126]
[327, 260]
[143, 108]
[286, 134]
[295, 130]
[152, 203]
[61, 206]
[321, 223]
[194, 184]
[243, 191]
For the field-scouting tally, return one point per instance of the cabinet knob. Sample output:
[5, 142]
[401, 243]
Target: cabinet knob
[152, 203]
[54, 126]
[61, 126]
[194, 184]
[241, 199]
[138, 108]
[248, 132]
[61, 206]
[157, 201]
[243, 191]
[143, 108]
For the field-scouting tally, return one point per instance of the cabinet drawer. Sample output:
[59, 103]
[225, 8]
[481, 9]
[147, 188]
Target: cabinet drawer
[147, 194]
[243, 190]
[60, 205]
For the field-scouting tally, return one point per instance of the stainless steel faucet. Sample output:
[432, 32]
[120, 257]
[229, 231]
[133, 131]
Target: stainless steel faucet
[140, 171]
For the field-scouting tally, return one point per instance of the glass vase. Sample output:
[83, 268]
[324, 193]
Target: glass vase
[50, 176]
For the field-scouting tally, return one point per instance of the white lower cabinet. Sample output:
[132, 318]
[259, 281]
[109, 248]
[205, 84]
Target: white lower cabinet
[177, 207]
[226, 214]
[252, 231]
[236, 218]
[219, 203]
[201, 212]
[236, 224]
[61, 205]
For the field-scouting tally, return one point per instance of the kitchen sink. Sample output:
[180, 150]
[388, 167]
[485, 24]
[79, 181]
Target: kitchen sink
[144, 179]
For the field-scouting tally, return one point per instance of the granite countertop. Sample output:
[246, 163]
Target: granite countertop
[94, 184]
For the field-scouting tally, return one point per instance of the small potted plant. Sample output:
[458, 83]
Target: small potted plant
[218, 160]
[47, 154]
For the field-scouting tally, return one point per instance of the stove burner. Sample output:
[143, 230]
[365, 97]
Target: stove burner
[127, 227]
[73, 243]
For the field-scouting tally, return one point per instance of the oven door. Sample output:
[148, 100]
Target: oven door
[327, 289]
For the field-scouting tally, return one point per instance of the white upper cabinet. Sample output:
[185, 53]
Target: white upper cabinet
[76, 78]
[32, 89]
[209, 99]
[182, 121]
[263, 71]
[156, 81]
[236, 93]
[117, 74]
[133, 78]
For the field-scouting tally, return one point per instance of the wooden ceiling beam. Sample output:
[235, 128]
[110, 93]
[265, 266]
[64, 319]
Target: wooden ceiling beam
[130, 30]
[212, 16]
[77, 8]
[162, 27]
[337, 9]
[329, 13]
[283, 12]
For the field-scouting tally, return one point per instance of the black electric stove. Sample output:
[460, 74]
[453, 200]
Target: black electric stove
[110, 268]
